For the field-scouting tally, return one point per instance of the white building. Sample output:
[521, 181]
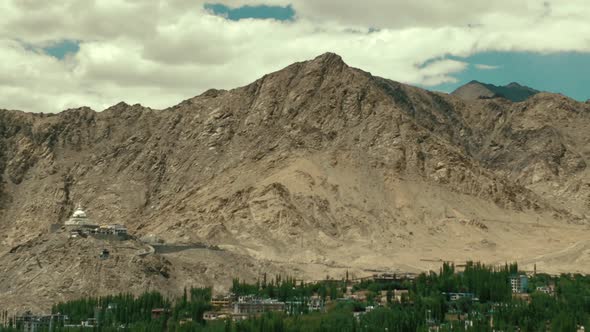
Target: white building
[80, 220]
[80, 225]
[115, 229]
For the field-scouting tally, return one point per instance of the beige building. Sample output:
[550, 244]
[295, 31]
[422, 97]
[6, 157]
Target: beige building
[258, 306]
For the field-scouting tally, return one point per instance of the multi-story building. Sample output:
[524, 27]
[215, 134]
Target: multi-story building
[221, 303]
[519, 283]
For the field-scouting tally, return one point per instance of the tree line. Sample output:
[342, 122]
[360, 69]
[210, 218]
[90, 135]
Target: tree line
[428, 305]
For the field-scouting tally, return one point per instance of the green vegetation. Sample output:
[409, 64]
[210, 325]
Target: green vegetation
[288, 289]
[489, 305]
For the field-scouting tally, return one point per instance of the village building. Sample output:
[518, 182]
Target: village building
[519, 283]
[457, 296]
[115, 229]
[455, 316]
[549, 290]
[385, 277]
[90, 322]
[159, 312]
[358, 296]
[401, 295]
[390, 277]
[382, 298]
[397, 295]
[213, 315]
[239, 317]
[222, 303]
[29, 322]
[80, 225]
[257, 306]
[316, 303]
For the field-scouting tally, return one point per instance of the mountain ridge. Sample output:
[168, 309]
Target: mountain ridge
[317, 168]
[478, 90]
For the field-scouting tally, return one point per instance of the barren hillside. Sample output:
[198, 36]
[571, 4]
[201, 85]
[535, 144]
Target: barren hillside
[315, 169]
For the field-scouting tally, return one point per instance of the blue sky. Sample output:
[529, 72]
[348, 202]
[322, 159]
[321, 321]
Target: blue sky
[62, 48]
[159, 53]
[566, 72]
[257, 12]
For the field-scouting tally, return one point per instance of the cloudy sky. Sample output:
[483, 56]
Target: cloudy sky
[56, 55]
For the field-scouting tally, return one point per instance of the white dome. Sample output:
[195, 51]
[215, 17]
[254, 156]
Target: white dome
[79, 213]
[79, 218]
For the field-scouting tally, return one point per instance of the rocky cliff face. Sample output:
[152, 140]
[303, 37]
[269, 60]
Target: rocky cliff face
[318, 167]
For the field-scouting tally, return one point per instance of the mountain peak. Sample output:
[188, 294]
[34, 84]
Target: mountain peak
[478, 90]
[328, 56]
[329, 59]
[514, 85]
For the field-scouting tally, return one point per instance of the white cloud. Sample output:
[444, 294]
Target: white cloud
[485, 67]
[438, 72]
[161, 52]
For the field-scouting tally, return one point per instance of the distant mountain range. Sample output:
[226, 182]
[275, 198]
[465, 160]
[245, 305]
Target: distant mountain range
[478, 90]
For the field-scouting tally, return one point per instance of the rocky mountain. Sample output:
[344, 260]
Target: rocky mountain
[477, 90]
[313, 170]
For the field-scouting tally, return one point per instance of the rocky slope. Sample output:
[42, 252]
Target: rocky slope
[478, 90]
[54, 267]
[314, 169]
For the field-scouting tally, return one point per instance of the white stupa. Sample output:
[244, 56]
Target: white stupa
[80, 219]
